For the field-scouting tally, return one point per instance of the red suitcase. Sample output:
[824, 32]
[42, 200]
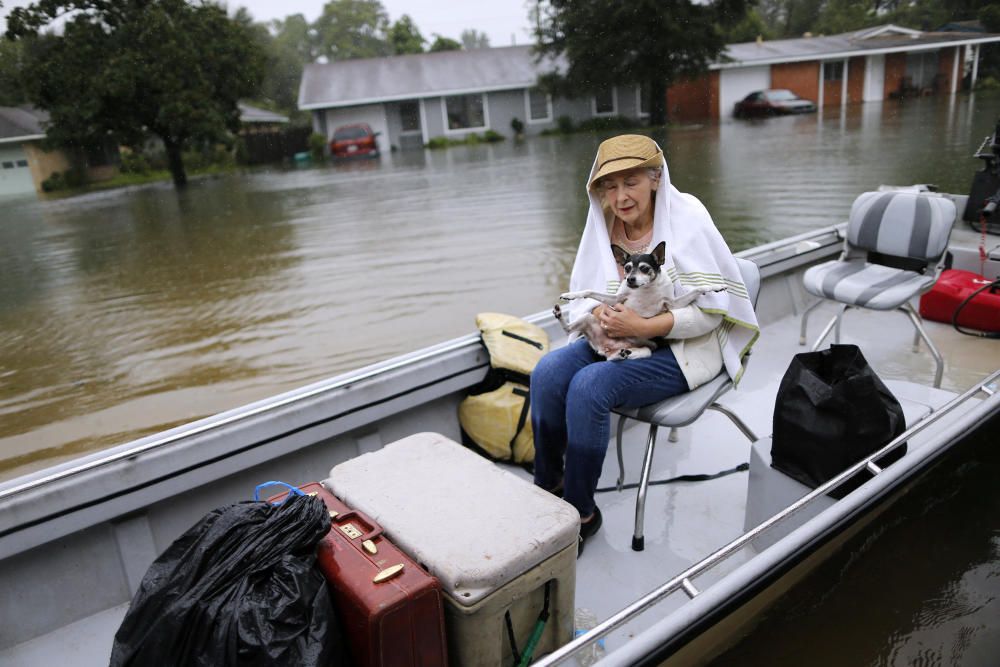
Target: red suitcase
[390, 607]
[954, 287]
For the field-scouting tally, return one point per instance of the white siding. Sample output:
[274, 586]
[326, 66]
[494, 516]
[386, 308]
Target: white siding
[737, 83]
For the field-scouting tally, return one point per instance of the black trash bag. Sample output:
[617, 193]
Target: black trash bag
[239, 588]
[831, 411]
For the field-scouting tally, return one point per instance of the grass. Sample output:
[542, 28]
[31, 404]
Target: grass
[123, 180]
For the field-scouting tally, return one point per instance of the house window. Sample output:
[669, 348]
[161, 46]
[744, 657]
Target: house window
[465, 112]
[8, 165]
[605, 102]
[409, 116]
[539, 106]
[833, 71]
[642, 100]
[22, 163]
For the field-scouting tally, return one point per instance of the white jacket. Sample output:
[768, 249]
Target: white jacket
[695, 344]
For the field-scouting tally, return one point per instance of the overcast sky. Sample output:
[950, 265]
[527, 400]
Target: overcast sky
[502, 20]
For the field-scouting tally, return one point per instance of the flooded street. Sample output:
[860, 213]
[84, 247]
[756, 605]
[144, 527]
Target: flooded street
[126, 312]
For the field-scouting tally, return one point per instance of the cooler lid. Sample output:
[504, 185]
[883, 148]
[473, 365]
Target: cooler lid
[472, 524]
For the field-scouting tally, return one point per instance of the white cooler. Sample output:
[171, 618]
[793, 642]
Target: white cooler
[490, 537]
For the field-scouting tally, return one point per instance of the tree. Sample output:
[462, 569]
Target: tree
[652, 43]
[474, 40]
[123, 69]
[444, 44]
[405, 38]
[352, 29]
[11, 90]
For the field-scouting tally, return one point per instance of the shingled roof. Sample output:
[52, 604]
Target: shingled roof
[370, 80]
[21, 124]
[883, 39]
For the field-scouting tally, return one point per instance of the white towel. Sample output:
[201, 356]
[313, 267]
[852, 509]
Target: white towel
[697, 256]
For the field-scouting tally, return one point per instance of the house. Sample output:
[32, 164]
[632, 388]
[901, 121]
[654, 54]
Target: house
[410, 99]
[413, 98]
[25, 164]
[860, 66]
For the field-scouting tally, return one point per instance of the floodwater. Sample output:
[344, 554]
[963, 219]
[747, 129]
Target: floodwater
[126, 312]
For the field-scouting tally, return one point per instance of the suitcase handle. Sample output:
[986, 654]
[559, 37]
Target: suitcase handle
[292, 491]
[372, 529]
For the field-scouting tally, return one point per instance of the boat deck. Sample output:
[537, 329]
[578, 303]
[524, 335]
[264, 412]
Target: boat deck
[684, 522]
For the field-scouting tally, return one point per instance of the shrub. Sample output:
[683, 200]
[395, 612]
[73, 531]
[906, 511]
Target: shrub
[564, 124]
[133, 162]
[317, 146]
[516, 125]
[987, 83]
[606, 124]
[492, 136]
[437, 142]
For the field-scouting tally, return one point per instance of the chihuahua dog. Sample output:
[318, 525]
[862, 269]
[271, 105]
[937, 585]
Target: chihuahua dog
[646, 290]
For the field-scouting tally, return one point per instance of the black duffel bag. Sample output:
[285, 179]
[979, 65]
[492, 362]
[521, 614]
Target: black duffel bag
[831, 411]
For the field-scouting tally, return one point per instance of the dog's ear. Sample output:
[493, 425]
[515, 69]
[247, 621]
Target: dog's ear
[621, 255]
[660, 253]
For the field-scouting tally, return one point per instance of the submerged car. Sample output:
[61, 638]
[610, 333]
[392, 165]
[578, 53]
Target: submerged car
[354, 141]
[772, 103]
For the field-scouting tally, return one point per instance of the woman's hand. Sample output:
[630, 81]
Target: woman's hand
[620, 321]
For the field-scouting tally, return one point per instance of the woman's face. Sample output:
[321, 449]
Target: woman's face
[629, 194]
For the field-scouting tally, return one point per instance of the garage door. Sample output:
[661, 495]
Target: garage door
[735, 84]
[373, 114]
[15, 177]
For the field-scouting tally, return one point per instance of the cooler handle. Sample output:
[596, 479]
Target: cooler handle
[292, 490]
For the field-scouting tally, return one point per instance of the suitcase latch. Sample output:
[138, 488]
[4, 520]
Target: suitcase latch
[387, 573]
[370, 547]
[351, 532]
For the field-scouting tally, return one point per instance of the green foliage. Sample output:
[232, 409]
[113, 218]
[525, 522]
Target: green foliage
[987, 83]
[606, 123]
[123, 69]
[648, 42]
[317, 146]
[436, 143]
[11, 90]
[517, 125]
[133, 162]
[471, 139]
[472, 39]
[74, 177]
[445, 44]
[565, 124]
[492, 136]
[750, 28]
[352, 29]
[404, 37]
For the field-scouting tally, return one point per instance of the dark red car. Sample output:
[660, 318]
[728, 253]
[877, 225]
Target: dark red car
[354, 141]
[772, 103]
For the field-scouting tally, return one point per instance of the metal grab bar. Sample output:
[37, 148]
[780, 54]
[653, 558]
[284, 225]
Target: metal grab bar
[683, 580]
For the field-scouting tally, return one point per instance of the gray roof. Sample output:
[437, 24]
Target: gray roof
[886, 38]
[21, 123]
[352, 82]
[250, 114]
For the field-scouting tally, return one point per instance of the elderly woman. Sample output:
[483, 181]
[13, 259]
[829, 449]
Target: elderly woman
[633, 205]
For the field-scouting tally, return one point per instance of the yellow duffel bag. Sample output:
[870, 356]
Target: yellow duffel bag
[495, 416]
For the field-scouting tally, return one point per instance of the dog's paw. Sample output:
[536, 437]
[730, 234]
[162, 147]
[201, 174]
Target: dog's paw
[624, 354]
[557, 312]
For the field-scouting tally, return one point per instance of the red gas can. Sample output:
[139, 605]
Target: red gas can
[391, 608]
[954, 287]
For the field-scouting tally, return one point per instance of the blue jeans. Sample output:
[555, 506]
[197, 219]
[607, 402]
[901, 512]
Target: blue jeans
[572, 393]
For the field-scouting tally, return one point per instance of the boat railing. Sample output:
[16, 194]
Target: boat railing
[684, 580]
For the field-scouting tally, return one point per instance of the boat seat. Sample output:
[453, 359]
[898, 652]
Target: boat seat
[769, 490]
[680, 410]
[893, 251]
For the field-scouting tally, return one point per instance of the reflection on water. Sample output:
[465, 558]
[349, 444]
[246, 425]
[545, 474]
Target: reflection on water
[129, 311]
[920, 586]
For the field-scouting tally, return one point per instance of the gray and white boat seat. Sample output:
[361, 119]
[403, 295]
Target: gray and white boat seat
[678, 411]
[893, 251]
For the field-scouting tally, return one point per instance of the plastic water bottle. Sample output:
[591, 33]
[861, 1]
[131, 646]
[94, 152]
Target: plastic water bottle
[584, 620]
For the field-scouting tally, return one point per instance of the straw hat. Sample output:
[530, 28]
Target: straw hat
[627, 151]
